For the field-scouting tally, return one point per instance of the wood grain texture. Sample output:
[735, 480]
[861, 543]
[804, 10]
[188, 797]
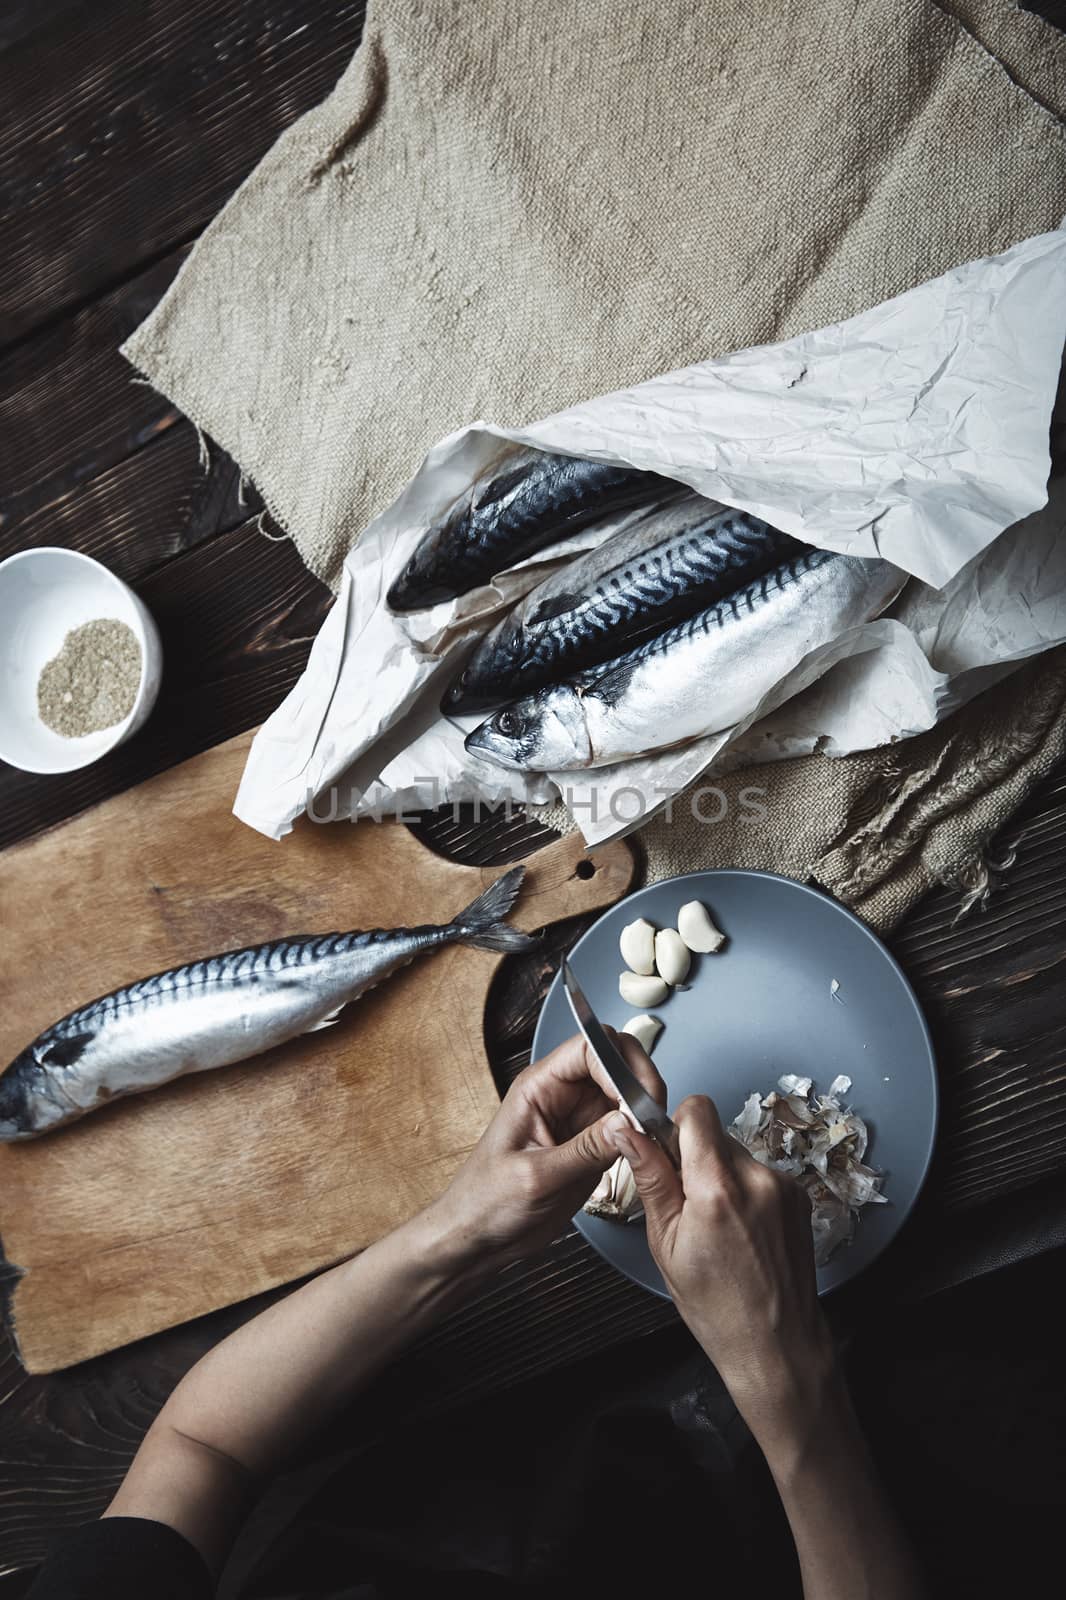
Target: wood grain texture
[130, 126]
[124, 128]
[992, 986]
[69, 408]
[150, 506]
[234, 1168]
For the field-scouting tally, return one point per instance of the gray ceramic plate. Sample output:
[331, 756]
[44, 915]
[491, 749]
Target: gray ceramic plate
[765, 1006]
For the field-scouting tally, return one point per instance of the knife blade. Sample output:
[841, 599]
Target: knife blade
[648, 1114]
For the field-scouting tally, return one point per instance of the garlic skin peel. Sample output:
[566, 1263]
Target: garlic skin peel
[615, 1196]
[672, 957]
[819, 1142]
[637, 990]
[637, 944]
[697, 930]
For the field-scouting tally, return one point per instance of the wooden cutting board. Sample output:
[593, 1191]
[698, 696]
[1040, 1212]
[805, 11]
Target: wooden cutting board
[167, 1205]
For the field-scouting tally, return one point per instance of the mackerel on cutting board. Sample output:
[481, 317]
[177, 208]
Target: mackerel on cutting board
[213, 1188]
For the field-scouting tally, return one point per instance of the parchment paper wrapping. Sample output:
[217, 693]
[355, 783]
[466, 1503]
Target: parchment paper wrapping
[916, 431]
[455, 232]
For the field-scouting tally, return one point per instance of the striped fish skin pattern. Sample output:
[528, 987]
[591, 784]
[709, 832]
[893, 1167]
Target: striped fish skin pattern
[699, 677]
[533, 500]
[676, 560]
[223, 1009]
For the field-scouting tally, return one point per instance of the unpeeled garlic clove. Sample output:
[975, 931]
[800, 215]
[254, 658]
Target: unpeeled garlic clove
[697, 930]
[645, 1029]
[637, 944]
[616, 1194]
[672, 956]
[603, 1192]
[638, 989]
[626, 1195]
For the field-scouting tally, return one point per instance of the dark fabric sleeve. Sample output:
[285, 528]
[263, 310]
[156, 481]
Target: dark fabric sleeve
[123, 1558]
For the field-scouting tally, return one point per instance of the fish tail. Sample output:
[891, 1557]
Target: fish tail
[482, 922]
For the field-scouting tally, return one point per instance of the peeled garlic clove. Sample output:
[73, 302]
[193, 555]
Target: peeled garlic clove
[639, 990]
[672, 956]
[637, 944]
[646, 1029]
[697, 930]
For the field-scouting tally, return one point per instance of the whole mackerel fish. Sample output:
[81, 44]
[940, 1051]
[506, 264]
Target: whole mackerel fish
[676, 559]
[533, 500]
[214, 1012]
[697, 678]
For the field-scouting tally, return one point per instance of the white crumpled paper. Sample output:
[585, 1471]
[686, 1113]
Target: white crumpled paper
[917, 431]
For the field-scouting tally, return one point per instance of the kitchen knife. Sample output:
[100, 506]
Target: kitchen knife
[647, 1113]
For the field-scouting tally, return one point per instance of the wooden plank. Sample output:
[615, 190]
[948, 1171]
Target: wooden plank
[124, 128]
[237, 619]
[69, 408]
[97, 461]
[136, 516]
[992, 988]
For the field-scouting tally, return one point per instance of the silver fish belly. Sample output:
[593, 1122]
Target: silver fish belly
[697, 678]
[675, 560]
[213, 1012]
[532, 500]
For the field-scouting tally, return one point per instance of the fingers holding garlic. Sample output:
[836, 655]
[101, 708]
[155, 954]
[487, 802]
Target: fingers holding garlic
[615, 1195]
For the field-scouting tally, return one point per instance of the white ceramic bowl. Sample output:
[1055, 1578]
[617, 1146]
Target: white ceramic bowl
[43, 594]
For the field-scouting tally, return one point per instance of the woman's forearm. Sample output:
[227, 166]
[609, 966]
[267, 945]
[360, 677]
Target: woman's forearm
[263, 1392]
[849, 1542]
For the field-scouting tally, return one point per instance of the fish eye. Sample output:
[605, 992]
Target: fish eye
[507, 722]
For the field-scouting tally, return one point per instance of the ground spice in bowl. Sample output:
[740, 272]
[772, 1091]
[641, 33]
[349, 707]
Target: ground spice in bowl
[92, 683]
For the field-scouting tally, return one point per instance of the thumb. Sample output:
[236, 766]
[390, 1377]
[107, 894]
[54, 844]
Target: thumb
[587, 1155]
[657, 1180]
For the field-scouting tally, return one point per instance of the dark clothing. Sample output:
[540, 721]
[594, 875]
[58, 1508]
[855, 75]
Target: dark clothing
[595, 1480]
[525, 1495]
[123, 1558]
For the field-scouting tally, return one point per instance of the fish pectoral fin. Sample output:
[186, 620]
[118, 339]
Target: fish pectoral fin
[327, 1021]
[64, 1051]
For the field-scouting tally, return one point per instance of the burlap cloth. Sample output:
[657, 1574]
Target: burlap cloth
[503, 209]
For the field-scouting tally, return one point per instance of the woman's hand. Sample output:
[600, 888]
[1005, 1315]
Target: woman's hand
[541, 1156]
[732, 1238]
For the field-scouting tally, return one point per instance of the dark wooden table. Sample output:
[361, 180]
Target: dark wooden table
[123, 129]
